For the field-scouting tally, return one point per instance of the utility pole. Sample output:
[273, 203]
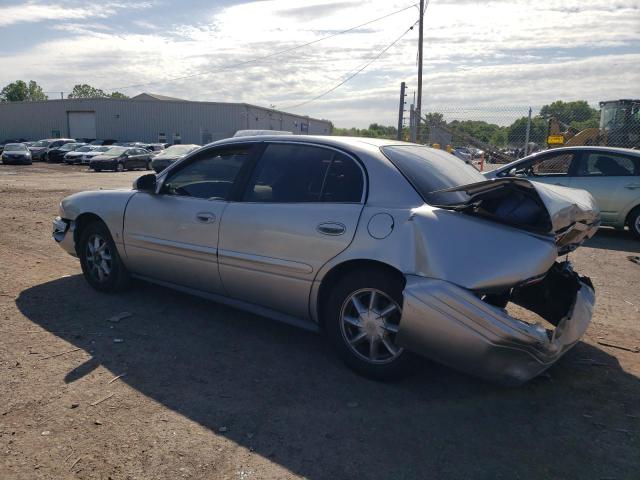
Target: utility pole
[403, 86]
[419, 105]
[526, 137]
[61, 95]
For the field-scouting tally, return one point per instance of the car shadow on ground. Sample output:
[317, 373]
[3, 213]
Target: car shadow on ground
[281, 392]
[614, 239]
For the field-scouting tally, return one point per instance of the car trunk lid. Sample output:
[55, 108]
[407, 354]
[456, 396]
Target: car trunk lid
[570, 215]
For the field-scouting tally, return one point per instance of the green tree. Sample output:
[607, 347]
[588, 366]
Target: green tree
[86, 91]
[118, 95]
[577, 114]
[517, 131]
[20, 91]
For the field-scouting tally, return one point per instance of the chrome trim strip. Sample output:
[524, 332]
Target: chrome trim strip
[259, 260]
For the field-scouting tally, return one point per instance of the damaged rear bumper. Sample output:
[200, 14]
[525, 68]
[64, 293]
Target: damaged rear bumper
[455, 327]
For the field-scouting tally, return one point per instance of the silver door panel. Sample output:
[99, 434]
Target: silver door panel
[166, 238]
[269, 253]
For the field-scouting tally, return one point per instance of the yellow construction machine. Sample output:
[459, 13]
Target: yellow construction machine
[619, 127]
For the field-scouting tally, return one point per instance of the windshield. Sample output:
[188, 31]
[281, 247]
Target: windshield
[86, 148]
[68, 147]
[14, 147]
[103, 148]
[114, 151]
[41, 143]
[430, 170]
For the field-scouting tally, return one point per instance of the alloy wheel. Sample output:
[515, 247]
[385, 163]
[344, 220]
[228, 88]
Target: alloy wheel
[98, 256]
[369, 321]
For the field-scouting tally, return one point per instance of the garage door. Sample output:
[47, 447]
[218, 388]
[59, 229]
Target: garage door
[82, 124]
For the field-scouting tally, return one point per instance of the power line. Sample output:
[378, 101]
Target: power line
[264, 57]
[335, 87]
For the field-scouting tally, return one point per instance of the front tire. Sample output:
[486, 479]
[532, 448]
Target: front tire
[361, 320]
[633, 221]
[101, 264]
[119, 167]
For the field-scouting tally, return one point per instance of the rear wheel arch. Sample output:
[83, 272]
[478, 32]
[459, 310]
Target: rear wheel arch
[338, 271]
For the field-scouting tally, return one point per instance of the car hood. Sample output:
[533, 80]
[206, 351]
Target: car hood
[168, 157]
[571, 215]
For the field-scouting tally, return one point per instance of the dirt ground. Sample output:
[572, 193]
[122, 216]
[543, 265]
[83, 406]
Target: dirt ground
[207, 391]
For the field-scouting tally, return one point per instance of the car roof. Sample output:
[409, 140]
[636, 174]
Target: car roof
[329, 140]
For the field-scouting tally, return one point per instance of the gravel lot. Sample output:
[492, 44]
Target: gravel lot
[211, 392]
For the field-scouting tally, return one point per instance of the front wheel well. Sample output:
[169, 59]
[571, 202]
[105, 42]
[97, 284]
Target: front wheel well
[81, 223]
[342, 269]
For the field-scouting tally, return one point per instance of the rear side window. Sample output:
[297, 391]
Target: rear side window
[289, 173]
[597, 164]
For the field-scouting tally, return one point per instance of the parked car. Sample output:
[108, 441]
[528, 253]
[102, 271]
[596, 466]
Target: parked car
[99, 142]
[40, 149]
[253, 133]
[75, 156]
[16, 153]
[56, 155]
[172, 154]
[13, 140]
[121, 159]
[611, 175]
[95, 150]
[157, 147]
[366, 239]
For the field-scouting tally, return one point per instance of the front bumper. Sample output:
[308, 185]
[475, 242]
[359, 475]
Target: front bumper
[63, 234]
[455, 327]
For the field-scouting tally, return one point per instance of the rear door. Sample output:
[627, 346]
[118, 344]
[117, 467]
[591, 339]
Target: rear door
[612, 178]
[173, 235]
[300, 208]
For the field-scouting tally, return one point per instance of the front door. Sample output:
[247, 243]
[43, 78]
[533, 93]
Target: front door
[173, 235]
[300, 208]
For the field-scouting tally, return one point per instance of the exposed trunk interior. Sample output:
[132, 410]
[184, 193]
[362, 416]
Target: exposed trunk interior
[551, 297]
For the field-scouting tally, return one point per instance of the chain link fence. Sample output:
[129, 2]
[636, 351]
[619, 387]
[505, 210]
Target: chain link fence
[500, 134]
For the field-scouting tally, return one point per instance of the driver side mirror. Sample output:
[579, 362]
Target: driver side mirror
[146, 183]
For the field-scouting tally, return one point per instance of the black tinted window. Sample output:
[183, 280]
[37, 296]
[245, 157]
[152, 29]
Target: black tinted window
[290, 173]
[605, 164]
[210, 176]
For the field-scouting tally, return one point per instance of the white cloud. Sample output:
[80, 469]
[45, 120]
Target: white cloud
[33, 12]
[476, 54]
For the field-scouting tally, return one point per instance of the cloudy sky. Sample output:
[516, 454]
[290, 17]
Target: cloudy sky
[480, 56]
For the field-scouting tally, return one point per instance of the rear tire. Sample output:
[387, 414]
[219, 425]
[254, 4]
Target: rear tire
[363, 329]
[101, 264]
[633, 220]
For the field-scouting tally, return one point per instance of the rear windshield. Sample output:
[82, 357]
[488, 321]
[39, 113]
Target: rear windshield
[430, 170]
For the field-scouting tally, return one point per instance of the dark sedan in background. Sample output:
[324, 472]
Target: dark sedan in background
[121, 159]
[40, 149]
[16, 153]
[56, 155]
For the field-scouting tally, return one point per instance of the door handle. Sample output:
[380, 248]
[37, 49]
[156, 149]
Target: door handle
[205, 217]
[331, 228]
[632, 186]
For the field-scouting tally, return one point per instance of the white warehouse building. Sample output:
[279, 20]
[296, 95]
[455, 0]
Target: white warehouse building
[146, 118]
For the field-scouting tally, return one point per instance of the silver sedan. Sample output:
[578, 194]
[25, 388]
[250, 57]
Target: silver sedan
[391, 249]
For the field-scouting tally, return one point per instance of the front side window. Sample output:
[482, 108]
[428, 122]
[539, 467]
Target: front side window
[554, 165]
[598, 164]
[209, 176]
[290, 173]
